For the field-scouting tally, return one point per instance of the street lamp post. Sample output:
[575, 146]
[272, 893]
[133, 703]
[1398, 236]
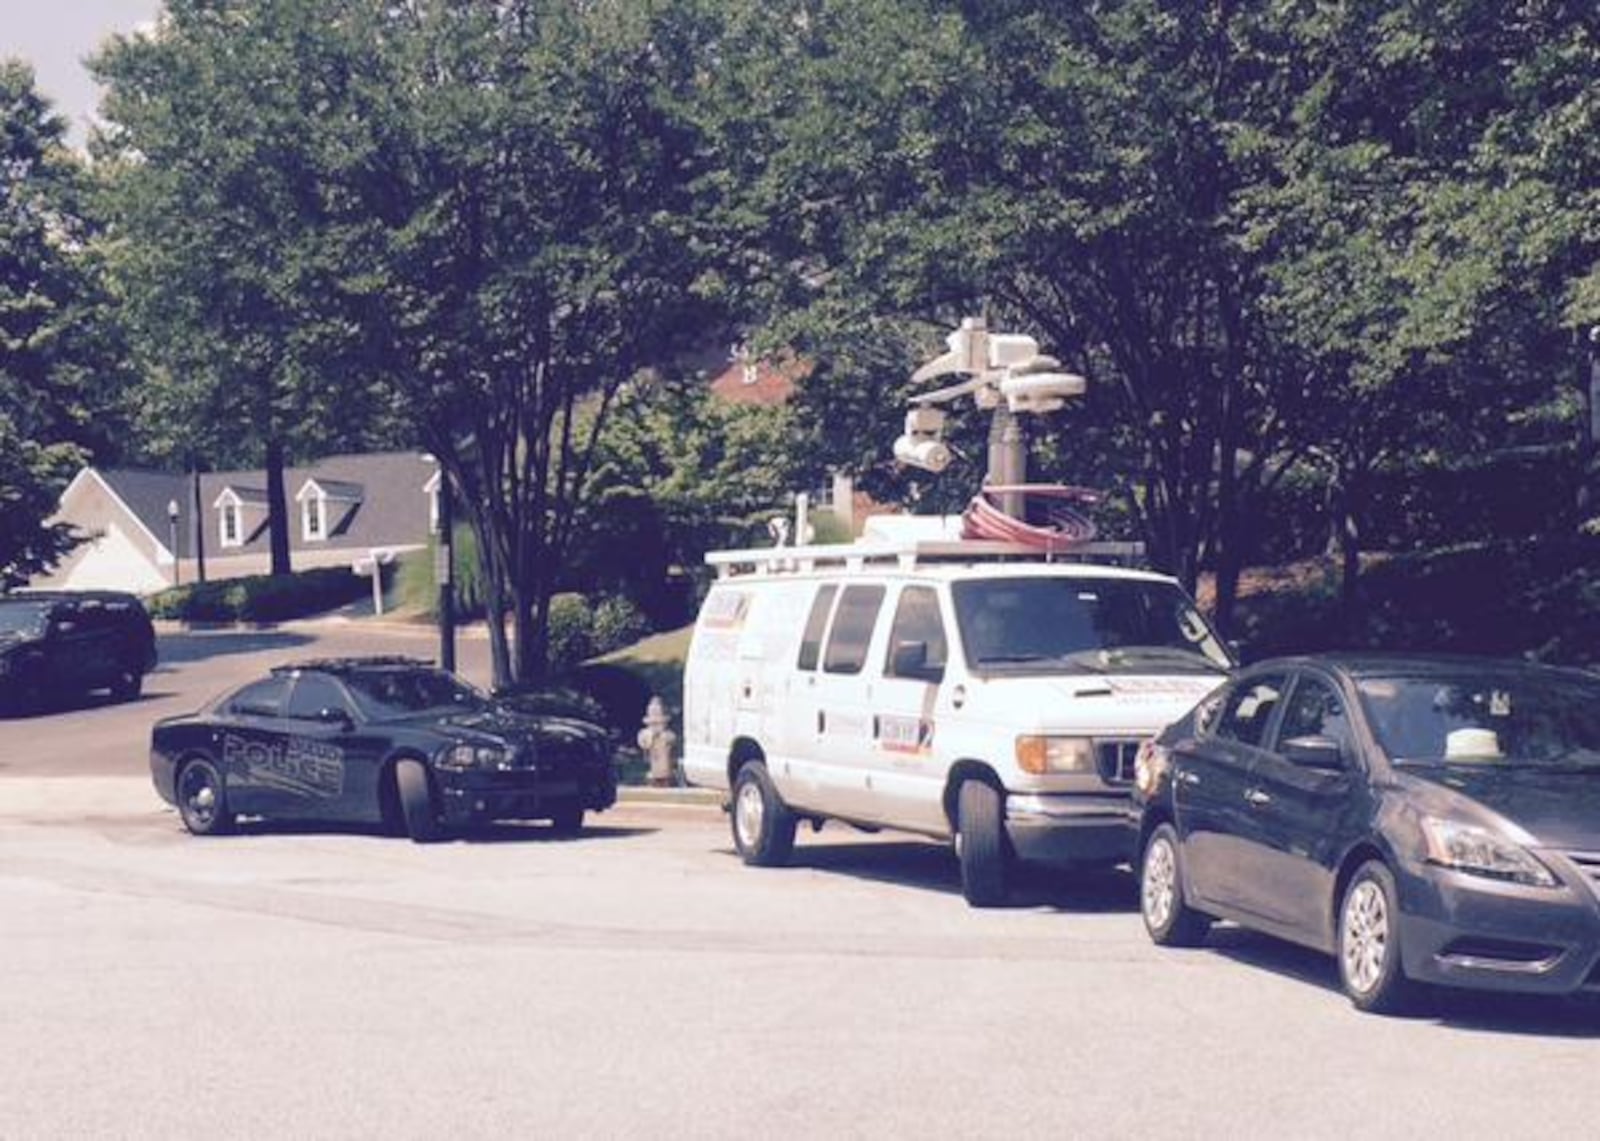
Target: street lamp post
[172, 538]
[444, 574]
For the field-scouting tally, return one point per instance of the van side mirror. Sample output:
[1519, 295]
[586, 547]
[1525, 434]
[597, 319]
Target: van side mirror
[910, 659]
[1314, 753]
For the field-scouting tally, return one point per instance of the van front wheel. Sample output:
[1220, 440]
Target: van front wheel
[981, 844]
[763, 826]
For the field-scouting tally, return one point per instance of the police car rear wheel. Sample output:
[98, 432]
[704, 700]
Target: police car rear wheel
[416, 801]
[981, 844]
[202, 800]
[763, 826]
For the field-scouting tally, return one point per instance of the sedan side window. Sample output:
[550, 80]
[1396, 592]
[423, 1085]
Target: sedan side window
[1248, 709]
[260, 699]
[1315, 710]
[313, 694]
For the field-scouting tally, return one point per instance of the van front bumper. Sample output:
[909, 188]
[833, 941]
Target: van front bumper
[1071, 829]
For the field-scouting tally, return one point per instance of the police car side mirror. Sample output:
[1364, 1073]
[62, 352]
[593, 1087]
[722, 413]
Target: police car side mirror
[335, 717]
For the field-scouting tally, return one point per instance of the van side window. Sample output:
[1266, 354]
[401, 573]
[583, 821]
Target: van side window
[852, 629]
[916, 623]
[811, 644]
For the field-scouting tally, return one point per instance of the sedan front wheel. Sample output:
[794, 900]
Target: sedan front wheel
[1369, 943]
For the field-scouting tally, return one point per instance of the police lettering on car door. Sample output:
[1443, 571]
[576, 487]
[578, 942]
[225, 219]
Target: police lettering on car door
[297, 764]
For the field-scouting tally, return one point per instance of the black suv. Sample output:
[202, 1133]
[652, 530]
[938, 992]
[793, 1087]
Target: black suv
[55, 643]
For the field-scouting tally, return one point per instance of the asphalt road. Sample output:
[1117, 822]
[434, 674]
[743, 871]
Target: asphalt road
[639, 981]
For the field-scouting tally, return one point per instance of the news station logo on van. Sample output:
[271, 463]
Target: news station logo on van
[967, 691]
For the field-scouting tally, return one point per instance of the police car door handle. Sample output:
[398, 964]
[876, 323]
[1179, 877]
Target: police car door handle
[1256, 798]
[1185, 776]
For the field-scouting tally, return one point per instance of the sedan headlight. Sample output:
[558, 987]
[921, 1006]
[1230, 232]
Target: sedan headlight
[467, 756]
[1043, 755]
[1469, 848]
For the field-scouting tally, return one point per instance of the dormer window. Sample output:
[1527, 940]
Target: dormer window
[233, 529]
[326, 507]
[313, 514]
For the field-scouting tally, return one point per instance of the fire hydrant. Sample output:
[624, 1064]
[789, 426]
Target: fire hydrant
[656, 741]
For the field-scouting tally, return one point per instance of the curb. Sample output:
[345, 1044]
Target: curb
[680, 797]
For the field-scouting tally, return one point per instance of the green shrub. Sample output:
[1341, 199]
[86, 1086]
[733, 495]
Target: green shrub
[418, 592]
[615, 622]
[261, 598]
[571, 623]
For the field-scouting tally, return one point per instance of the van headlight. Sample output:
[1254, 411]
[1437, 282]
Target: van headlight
[1043, 755]
[1469, 848]
[474, 757]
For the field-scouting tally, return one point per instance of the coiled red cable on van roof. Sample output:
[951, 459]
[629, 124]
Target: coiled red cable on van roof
[1051, 520]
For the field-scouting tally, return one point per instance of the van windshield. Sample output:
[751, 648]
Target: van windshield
[1083, 625]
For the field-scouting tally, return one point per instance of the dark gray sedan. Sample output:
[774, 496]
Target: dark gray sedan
[1425, 820]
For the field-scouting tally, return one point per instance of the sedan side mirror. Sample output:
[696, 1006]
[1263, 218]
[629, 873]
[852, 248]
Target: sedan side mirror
[1314, 753]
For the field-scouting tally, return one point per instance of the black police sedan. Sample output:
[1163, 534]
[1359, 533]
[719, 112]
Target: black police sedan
[380, 740]
[1426, 820]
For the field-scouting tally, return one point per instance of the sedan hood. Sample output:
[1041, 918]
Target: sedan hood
[1559, 808]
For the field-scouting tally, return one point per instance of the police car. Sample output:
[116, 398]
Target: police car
[972, 692]
[388, 741]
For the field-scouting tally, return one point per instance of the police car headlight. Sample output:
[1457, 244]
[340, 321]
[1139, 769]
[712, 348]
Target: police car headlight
[474, 757]
[1043, 755]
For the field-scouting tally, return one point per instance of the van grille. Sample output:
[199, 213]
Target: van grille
[1115, 759]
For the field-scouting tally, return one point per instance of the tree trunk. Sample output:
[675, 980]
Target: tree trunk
[1349, 554]
[277, 507]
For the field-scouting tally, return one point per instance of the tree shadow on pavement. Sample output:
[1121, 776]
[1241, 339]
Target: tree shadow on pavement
[203, 645]
[1486, 1012]
[932, 867]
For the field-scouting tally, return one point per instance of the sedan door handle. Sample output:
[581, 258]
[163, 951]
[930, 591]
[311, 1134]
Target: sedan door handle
[1257, 798]
[1188, 777]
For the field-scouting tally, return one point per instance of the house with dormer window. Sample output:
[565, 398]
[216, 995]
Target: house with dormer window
[147, 529]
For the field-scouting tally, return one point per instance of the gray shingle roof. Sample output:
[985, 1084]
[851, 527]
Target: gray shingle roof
[387, 506]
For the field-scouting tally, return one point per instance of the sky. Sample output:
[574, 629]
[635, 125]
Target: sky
[55, 36]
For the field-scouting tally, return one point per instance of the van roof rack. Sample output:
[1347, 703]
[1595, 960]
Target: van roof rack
[911, 553]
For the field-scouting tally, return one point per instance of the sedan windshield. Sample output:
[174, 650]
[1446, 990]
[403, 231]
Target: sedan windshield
[19, 617]
[1474, 718]
[1057, 624]
[389, 694]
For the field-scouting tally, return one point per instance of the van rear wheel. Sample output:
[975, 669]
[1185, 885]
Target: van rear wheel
[763, 826]
[981, 844]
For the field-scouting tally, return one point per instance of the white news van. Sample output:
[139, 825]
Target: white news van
[971, 691]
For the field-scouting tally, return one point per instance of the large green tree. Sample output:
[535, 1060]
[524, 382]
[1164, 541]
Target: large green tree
[214, 163]
[60, 356]
[478, 213]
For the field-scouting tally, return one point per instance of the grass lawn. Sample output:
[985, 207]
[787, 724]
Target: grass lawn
[658, 663]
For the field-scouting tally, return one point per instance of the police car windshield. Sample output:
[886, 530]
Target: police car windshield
[385, 695]
[21, 617]
[1083, 625]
